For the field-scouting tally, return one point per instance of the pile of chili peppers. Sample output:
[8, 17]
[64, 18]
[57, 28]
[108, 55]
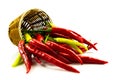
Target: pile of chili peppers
[60, 47]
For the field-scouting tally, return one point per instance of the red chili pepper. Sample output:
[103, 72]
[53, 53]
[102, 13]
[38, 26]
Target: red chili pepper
[24, 55]
[45, 48]
[59, 35]
[50, 58]
[39, 37]
[67, 56]
[37, 59]
[91, 60]
[89, 47]
[72, 35]
[85, 41]
[85, 59]
[89, 43]
[60, 48]
[29, 55]
[66, 32]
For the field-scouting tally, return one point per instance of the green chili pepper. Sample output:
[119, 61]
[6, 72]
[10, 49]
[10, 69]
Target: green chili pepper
[76, 48]
[70, 42]
[17, 61]
[27, 37]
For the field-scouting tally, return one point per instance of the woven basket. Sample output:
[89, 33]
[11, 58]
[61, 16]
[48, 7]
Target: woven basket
[31, 20]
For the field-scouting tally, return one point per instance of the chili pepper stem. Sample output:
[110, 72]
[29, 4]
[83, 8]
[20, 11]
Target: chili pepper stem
[46, 38]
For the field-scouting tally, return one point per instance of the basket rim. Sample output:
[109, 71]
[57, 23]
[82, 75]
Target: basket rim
[22, 17]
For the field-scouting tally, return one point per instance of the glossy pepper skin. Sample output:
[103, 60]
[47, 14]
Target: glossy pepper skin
[85, 59]
[89, 47]
[37, 59]
[84, 40]
[60, 48]
[58, 51]
[71, 34]
[42, 40]
[66, 32]
[70, 42]
[39, 37]
[43, 47]
[91, 60]
[50, 58]
[24, 55]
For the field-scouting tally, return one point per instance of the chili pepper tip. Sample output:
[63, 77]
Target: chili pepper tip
[105, 62]
[91, 60]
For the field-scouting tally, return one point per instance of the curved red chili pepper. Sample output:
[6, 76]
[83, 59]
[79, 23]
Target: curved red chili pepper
[67, 56]
[71, 34]
[85, 59]
[60, 48]
[91, 60]
[59, 35]
[89, 47]
[84, 40]
[24, 55]
[45, 48]
[89, 43]
[50, 58]
[37, 59]
[67, 32]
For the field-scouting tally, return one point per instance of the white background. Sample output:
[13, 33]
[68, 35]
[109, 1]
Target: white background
[96, 20]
